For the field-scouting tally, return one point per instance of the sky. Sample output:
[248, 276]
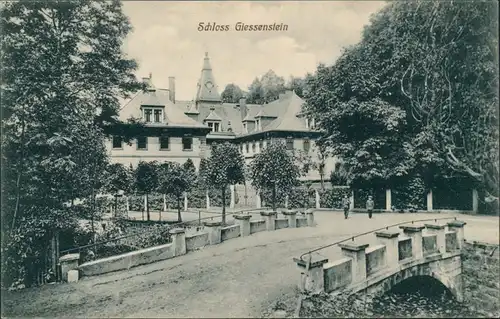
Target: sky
[165, 40]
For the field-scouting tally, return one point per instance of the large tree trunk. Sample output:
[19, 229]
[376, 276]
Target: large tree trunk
[223, 205]
[147, 207]
[179, 217]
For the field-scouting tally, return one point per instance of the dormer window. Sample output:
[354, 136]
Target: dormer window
[215, 126]
[152, 115]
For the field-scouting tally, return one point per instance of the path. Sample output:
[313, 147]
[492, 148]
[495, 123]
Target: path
[238, 278]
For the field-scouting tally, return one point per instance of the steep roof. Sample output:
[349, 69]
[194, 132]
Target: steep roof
[174, 114]
[213, 116]
[207, 88]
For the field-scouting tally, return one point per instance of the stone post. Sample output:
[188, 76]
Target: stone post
[415, 233]
[458, 227]
[286, 201]
[312, 277]
[244, 222]
[164, 202]
[390, 240]
[429, 200]
[185, 202]
[214, 232]
[258, 201]
[68, 263]
[351, 204]
[179, 241]
[388, 200]
[207, 199]
[310, 218]
[475, 200]
[318, 201]
[292, 218]
[128, 204]
[439, 231]
[356, 252]
[270, 218]
[233, 198]
[145, 204]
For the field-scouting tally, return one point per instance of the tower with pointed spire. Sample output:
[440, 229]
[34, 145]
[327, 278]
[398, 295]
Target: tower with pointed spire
[207, 89]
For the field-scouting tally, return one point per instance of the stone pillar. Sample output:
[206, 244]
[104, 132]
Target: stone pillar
[390, 240]
[164, 202]
[429, 200]
[145, 204]
[415, 233]
[318, 205]
[244, 222]
[439, 231]
[351, 204]
[475, 200]
[258, 201]
[458, 227]
[179, 241]
[356, 252]
[388, 200]
[214, 232]
[207, 199]
[292, 218]
[286, 201]
[270, 218]
[185, 202]
[68, 263]
[128, 204]
[312, 277]
[310, 218]
[233, 198]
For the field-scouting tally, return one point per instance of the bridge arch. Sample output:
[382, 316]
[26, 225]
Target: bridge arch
[435, 253]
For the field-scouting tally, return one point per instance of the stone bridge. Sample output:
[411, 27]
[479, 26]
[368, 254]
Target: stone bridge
[432, 250]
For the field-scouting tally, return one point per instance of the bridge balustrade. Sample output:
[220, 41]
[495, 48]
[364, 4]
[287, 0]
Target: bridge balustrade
[411, 252]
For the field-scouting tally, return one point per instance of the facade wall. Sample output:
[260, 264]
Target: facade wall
[129, 154]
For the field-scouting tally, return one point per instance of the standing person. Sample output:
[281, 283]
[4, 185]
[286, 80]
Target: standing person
[369, 206]
[346, 203]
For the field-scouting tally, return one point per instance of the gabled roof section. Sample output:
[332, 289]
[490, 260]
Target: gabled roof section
[207, 88]
[213, 116]
[192, 109]
[174, 114]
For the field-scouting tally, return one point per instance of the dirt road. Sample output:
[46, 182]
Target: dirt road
[238, 278]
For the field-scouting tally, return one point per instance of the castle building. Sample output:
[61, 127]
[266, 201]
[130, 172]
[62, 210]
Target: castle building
[178, 130]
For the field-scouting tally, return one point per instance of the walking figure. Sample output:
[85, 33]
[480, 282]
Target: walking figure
[346, 203]
[369, 206]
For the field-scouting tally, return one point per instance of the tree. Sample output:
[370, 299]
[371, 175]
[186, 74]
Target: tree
[272, 86]
[256, 92]
[297, 84]
[423, 89]
[146, 180]
[203, 173]
[226, 167]
[190, 170]
[118, 178]
[274, 169]
[231, 94]
[62, 73]
[176, 180]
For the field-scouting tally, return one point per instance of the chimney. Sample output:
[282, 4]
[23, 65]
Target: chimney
[171, 89]
[243, 108]
[147, 81]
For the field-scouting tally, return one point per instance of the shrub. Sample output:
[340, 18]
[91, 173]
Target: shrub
[332, 198]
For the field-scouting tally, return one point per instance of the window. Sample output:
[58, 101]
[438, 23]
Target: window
[257, 125]
[142, 143]
[241, 148]
[245, 127]
[289, 144]
[147, 115]
[253, 147]
[307, 122]
[164, 142]
[247, 146]
[157, 116]
[117, 142]
[216, 127]
[211, 125]
[307, 145]
[187, 143]
[261, 145]
[313, 124]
